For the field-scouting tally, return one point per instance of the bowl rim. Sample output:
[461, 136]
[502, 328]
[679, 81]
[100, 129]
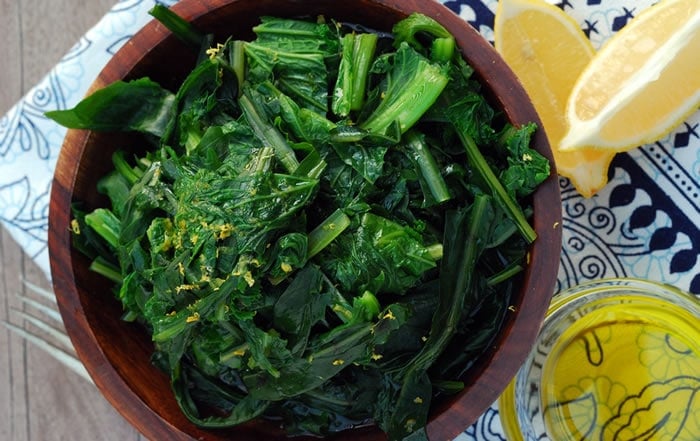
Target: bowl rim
[517, 338]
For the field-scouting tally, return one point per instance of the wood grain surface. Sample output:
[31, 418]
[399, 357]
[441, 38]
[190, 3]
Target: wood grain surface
[40, 400]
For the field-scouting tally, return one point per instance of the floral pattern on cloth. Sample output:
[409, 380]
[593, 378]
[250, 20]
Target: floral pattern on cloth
[29, 142]
[645, 223]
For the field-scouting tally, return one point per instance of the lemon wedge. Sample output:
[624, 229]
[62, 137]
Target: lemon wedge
[641, 84]
[547, 51]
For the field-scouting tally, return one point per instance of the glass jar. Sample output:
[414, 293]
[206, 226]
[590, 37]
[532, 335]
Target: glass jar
[616, 359]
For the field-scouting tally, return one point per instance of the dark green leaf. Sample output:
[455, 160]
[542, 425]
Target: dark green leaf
[140, 105]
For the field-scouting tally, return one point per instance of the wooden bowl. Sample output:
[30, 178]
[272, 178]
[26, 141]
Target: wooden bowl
[117, 353]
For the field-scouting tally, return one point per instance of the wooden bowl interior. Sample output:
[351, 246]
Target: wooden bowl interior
[117, 354]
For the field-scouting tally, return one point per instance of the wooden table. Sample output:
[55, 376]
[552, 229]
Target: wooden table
[40, 399]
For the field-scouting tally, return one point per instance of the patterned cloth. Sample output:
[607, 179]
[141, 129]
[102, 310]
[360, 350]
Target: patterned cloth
[645, 223]
[30, 143]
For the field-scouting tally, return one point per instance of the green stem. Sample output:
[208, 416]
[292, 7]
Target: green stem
[268, 134]
[505, 274]
[123, 168]
[312, 166]
[362, 58]
[237, 62]
[428, 167]
[342, 94]
[326, 232]
[106, 224]
[339, 304]
[435, 251]
[101, 266]
[442, 49]
[499, 193]
[177, 25]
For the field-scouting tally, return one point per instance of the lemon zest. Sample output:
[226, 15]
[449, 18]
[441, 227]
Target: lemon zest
[410, 424]
[185, 287]
[212, 52]
[75, 226]
[248, 277]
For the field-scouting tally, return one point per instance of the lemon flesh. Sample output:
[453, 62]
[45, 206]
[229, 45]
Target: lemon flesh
[643, 83]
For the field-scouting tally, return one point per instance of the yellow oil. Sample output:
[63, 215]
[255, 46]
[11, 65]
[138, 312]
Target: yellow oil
[625, 372]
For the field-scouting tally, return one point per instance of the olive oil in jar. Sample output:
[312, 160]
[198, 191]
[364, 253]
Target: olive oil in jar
[625, 371]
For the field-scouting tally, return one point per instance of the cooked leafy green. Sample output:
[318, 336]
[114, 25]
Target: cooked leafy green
[351, 85]
[323, 227]
[411, 86]
[140, 105]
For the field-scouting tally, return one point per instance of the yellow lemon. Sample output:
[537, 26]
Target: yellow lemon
[641, 84]
[547, 50]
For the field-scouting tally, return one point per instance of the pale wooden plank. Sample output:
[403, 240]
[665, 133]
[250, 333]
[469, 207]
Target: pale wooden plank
[64, 406]
[14, 421]
[50, 28]
[49, 383]
[13, 397]
[10, 51]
